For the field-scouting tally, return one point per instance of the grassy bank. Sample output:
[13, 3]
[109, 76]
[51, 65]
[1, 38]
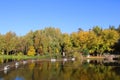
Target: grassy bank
[28, 57]
[95, 57]
[21, 57]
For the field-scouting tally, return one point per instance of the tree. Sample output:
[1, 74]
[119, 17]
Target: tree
[10, 42]
[21, 44]
[29, 39]
[83, 39]
[74, 40]
[37, 41]
[66, 44]
[2, 44]
[91, 42]
[110, 37]
[54, 37]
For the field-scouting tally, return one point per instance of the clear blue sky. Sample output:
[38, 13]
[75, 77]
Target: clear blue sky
[21, 16]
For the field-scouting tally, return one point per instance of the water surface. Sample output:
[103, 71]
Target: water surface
[63, 70]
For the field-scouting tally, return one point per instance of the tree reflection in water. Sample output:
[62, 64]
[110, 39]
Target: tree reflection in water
[77, 70]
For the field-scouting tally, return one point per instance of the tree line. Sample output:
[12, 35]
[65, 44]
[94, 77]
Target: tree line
[51, 41]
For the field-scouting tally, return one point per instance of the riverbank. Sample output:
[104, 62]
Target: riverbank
[95, 57]
[41, 57]
[21, 57]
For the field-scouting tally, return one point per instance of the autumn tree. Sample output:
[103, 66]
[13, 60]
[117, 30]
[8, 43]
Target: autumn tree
[66, 44]
[110, 37]
[21, 44]
[2, 44]
[52, 37]
[74, 39]
[37, 41]
[10, 42]
[83, 39]
[29, 40]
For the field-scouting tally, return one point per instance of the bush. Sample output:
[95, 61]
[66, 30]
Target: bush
[31, 51]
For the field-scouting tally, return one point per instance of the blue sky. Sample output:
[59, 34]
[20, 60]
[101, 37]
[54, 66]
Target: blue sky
[21, 16]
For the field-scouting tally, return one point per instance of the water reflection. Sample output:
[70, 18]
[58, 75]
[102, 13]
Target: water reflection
[6, 60]
[69, 70]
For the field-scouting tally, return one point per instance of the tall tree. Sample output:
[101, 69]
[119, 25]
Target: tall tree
[29, 40]
[2, 44]
[66, 44]
[10, 42]
[110, 37]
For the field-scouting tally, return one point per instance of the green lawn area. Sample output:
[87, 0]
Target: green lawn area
[21, 57]
[27, 57]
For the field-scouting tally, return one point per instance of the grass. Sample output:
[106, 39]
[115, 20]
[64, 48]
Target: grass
[19, 57]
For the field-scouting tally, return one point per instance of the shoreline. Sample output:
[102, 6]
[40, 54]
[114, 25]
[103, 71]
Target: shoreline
[95, 57]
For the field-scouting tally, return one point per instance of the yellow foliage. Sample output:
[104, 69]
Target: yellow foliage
[57, 50]
[83, 36]
[110, 37]
[31, 51]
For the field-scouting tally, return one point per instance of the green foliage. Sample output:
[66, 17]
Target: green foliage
[66, 43]
[50, 41]
[85, 52]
